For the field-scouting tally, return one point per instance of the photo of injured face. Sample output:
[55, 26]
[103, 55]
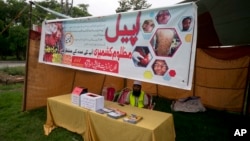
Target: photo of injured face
[160, 67]
[163, 17]
[148, 26]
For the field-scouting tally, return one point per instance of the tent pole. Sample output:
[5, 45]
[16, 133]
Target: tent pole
[194, 75]
[245, 106]
[124, 82]
[157, 90]
[26, 62]
[73, 82]
[103, 83]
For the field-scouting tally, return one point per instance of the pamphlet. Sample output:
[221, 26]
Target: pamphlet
[132, 118]
[117, 114]
[104, 110]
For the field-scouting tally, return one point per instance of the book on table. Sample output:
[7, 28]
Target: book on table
[116, 113]
[132, 118]
[105, 110]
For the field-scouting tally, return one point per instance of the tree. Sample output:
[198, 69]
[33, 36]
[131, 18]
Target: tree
[84, 7]
[18, 10]
[18, 40]
[3, 42]
[15, 22]
[126, 5]
[41, 14]
[3, 9]
[140, 4]
[4, 50]
[17, 15]
[80, 11]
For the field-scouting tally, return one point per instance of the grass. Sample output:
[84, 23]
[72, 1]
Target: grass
[16, 125]
[211, 125]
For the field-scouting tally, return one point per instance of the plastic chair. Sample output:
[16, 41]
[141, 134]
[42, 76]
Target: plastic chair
[151, 104]
[108, 93]
[123, 95]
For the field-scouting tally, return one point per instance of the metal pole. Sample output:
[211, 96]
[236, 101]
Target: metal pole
[245, 106]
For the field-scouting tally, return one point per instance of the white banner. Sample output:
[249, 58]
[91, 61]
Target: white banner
[154, 45]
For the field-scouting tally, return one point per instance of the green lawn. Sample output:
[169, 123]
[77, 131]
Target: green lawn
[16, 125]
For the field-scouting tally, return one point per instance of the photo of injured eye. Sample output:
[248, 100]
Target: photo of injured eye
[148, 26]
[160, 67]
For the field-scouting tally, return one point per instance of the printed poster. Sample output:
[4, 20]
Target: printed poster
[153, 45]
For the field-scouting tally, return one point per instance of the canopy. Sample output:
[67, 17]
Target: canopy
[221, 75]
[223, 22]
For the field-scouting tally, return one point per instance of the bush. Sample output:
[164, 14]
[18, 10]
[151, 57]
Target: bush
[13, 70]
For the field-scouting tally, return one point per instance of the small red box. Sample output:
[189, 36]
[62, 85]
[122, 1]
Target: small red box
[76, 95]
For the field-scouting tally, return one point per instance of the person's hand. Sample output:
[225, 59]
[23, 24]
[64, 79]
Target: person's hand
[149, 56]
[137, 56]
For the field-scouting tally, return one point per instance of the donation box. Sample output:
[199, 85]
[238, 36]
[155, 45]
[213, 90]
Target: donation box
[92, 101]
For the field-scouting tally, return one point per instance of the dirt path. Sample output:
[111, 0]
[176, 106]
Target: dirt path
[10, 79]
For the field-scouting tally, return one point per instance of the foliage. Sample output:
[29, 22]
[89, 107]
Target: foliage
[13, 70]
[16, 18]
[4, 50]
[126, 5]
[40, 14]
[3, 13]
[140, 4]
[18, 40]
[80, 11]
[15, 15]
[44, 15]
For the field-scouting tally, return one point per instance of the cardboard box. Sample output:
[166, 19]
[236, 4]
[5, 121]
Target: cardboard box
[92, 101]
[76, 95]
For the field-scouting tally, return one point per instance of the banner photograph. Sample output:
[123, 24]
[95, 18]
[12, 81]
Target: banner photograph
[153, 45]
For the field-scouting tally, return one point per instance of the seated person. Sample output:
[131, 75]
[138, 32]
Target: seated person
[137, 97]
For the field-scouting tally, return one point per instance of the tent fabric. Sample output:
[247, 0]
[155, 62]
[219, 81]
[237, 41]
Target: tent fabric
[230, 19]
[228, 53]
[206, 34]
[42, 80]
[221, 84]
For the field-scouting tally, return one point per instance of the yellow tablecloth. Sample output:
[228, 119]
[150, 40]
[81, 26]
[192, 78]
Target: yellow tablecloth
[155, 125]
